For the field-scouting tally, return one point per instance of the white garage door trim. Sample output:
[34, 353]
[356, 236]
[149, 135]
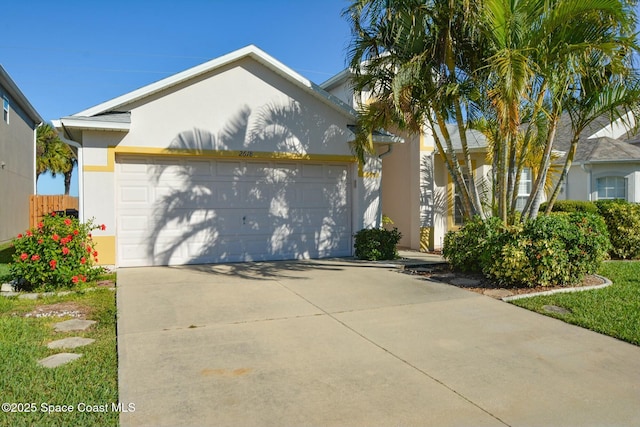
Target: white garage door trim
[173, 210]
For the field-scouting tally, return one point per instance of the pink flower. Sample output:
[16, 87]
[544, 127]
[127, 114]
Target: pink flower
[20, 236]
[83, 260]
[75, 232]
[40, 225]
[24, 256]
[103, 227]
[53, 263]
[95, 253]
[35, 257]
[53, 214]
[65, 251]
[67, 221]
[29, 233]
[55, 237]
[89, 249]
[75, 279]
[40, 241]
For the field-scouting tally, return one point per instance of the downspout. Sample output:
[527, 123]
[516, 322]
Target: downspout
[380, 156]
[589, 183]
[35, 162]
[80, 171]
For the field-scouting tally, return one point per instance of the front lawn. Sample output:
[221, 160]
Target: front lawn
[6, 252]
[90, 380]
[613, 311]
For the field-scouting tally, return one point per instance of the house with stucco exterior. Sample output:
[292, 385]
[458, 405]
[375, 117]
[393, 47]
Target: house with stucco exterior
[18, 125]
[237, 159]
[418, 194]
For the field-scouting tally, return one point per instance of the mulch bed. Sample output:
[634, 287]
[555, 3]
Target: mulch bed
[487, 287]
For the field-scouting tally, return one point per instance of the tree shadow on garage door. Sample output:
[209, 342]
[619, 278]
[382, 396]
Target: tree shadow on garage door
[221, 208]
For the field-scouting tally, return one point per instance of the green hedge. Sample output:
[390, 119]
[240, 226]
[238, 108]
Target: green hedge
[551, 250]
[377, 244]
[572, 206]
[623, 224]
[621, 217]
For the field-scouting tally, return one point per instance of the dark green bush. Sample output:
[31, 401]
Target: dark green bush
[464, 248]
[623, 223]
[377, 243]
[550, 250]
[572, 206]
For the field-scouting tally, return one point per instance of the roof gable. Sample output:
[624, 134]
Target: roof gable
[9, 85]
[251, 51]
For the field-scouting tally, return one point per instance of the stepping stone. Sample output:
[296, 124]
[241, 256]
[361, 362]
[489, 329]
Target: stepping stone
[555, 309]
[58, 359]
[498, 293]
[465, 282]
[7, 287]
[74, 325]
[71, 342]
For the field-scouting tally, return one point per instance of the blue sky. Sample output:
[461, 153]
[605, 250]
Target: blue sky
[67, 56]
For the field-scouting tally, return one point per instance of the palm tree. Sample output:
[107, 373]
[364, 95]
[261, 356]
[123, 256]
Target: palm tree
[405, 55]
[53, 155]
[519, 64]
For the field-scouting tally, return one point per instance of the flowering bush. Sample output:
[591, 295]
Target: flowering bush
[57, 253]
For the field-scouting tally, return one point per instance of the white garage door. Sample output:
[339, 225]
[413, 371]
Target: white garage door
[187, 211]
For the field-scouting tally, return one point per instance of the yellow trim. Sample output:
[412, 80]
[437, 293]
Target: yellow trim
[109, 167]
[363, 174]
[423, 145]
[213, 154]
[426, 239]
[106, 247]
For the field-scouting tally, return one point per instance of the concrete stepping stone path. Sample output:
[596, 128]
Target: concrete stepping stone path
[72, 342]
[74, 325]
[58, 359]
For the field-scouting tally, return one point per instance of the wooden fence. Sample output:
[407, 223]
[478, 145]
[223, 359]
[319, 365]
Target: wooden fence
[40, 206]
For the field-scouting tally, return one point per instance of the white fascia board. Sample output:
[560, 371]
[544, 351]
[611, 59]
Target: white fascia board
[248, 51]
[387, 139]
[336, 79]
[70, 122]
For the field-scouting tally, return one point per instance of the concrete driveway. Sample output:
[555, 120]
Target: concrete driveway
[345, 343]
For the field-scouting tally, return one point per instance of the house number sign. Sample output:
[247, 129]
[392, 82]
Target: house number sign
[246, 154]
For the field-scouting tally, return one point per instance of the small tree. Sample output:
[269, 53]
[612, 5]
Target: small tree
[53, 155]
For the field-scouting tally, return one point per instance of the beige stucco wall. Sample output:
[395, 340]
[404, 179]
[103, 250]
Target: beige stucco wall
[17, 170]
[401, 189]
[242, 109]
[242, 106]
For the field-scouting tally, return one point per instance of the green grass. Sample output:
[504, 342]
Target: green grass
[614, 311]
[6, 252]
[91, 379]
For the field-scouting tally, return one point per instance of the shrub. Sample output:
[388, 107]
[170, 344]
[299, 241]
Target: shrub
[58, 253]
[464, 248]
[550, 250]
[623, 223]
[572, 206]
[377, 243]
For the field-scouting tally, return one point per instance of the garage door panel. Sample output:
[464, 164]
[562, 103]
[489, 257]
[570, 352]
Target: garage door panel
[181, 211]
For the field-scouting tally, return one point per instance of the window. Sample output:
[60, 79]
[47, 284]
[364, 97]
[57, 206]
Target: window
[458, 216]
[5, 109]
[611, 187]
[524, 188]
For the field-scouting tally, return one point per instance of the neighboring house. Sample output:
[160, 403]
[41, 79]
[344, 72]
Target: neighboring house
[419, 196]
[18, 125]
[237, 159]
